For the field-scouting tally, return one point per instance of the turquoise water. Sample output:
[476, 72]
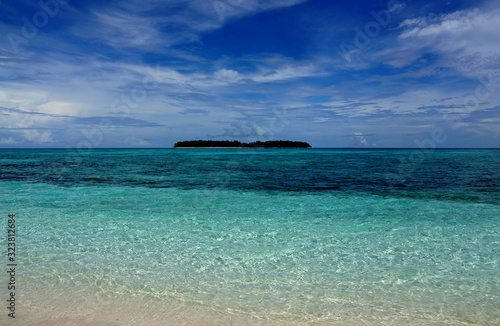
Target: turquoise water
[274, 237]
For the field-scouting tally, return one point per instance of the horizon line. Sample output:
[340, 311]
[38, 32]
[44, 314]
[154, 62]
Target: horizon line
[364, 148]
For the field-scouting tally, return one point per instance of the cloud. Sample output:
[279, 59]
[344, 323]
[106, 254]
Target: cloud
[247, 130]
[449, 24]
[18, 111]
[60, 108]
[15, 96]
[136, 142]
[195, 111]
[319, 120]
[7, 141]
[360, 139]
[115, 121]
[286, 73]
[38, 137]
[227, 75]
[467, 40]
[226, 9]
[121, 29]
[187, 81]
[161, 24]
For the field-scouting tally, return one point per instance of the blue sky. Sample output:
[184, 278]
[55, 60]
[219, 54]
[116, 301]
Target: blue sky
[148, 73]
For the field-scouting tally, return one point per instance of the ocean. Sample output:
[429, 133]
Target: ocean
[252, 236]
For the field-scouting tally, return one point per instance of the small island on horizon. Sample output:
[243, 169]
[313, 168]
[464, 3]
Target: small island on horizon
[238, 144]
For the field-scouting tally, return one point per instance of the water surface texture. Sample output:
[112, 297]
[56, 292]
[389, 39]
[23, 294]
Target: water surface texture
[254, 236]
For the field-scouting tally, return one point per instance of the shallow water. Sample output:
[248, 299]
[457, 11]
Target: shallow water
[257, 237]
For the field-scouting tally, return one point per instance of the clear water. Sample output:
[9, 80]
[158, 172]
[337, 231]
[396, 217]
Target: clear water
[256, 237]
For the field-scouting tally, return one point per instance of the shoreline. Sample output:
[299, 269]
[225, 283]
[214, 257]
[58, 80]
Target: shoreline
[69, 311]
[96, 310]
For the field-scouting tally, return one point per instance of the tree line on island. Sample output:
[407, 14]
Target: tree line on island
[237, 144]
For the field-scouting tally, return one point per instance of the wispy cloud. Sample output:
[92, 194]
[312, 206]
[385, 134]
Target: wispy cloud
[124, 30]
[115, 121]
[466, 39]
[7, 141]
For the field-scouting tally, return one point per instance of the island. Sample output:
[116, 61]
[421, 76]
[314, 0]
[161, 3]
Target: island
[237, 144]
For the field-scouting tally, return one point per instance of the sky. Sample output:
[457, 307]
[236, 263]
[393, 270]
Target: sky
[149, 73]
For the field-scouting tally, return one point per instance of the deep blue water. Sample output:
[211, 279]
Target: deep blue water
[469, 175]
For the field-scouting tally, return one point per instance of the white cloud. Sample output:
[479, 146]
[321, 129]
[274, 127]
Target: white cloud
[61, 108]
[222, 76]
[454, 23]
[38, 137]
[459, 37]
[225, 74]
[136, 142]
[258, 130]
[285, 73]
[120, 29]
[7, 141]
[359, 139]
[128, 29]
[185, 20]
[21, 97]
[225, 9]
[410, 22]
